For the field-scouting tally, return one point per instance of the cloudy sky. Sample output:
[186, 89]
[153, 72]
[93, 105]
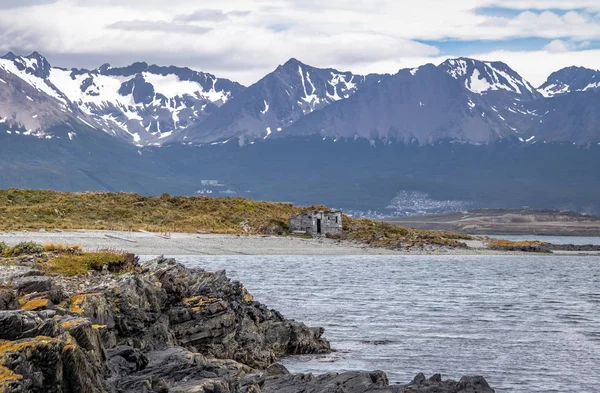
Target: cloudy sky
[245, 39]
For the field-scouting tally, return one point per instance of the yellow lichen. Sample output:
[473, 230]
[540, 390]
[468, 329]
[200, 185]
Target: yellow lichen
[78, 300]
[35, 304]
[248, 296]
[28, 344]
[7, 375]
[99, 326]
[198, 301]
[71, 324]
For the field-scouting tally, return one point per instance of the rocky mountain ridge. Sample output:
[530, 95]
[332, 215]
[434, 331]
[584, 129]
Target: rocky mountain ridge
[463, 100]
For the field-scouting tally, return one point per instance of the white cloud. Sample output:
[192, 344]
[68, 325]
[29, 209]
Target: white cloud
[245, 39]
[557, 46]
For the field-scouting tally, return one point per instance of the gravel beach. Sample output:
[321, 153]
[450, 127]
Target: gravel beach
[145, 243]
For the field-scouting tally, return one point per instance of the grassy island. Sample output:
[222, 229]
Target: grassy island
[50, 210]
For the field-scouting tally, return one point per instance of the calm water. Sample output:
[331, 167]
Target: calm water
[578, 240]
[528, 324]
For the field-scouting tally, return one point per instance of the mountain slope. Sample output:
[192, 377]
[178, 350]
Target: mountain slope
[572, 117]
[462, 100]
[570, 80]
[275, 102]
[29, 105]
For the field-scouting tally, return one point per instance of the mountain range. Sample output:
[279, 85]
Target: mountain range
[461, 99]
[466, 130]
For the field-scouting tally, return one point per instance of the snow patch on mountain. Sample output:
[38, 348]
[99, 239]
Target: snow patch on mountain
[483, 77]
[27, 76]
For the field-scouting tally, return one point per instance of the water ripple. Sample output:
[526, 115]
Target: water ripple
[528, 324]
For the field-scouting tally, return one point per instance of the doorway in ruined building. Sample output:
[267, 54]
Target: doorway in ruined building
[319, 226]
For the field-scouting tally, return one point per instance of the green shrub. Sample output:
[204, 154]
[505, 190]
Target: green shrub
[23, 248]
[3, 247]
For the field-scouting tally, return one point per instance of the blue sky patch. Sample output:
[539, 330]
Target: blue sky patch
[501, 12]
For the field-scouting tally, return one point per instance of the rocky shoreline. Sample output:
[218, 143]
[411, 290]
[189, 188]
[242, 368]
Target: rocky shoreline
[161, 327]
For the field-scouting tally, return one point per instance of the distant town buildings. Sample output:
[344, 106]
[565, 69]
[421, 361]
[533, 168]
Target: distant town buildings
[210, 187]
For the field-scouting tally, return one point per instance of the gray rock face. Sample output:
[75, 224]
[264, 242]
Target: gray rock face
[18, 324]
[27, 285]
[8, 300]
[167, 329]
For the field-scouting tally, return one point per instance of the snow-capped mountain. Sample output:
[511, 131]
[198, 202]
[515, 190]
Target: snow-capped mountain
[488, 77]
[569, 80]
[147, 102]
[140, 103]
[461, 99]
[277, 101]
[29, 105]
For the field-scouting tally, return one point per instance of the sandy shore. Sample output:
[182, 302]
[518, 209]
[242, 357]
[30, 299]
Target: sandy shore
[143, 243]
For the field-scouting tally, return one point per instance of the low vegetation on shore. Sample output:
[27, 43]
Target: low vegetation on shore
[524, 245]
[384, 234]
[51, 210]
[69, 260]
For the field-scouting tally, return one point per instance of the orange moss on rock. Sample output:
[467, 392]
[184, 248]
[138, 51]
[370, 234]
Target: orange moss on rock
[7, 375]
[77, 301]
[74, 323]
[36, 305]
[198, 301]
[30, 344]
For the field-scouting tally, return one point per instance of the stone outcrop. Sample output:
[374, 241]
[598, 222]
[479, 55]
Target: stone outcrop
[163, 328]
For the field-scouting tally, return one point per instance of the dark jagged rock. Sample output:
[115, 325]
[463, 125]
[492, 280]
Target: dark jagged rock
[164, 328]
[32, 284]
[8, 300]
[16, 325]
[362, 382]
[574, 247]
[435, 384]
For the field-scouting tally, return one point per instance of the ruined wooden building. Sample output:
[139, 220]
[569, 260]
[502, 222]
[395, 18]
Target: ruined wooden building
[317, 223]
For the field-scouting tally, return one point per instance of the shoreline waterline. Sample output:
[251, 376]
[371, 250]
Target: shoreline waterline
[146, 243]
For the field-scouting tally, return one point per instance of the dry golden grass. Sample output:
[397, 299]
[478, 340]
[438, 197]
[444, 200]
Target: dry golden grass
[34, 210]
[501, 243]
[62, 248]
